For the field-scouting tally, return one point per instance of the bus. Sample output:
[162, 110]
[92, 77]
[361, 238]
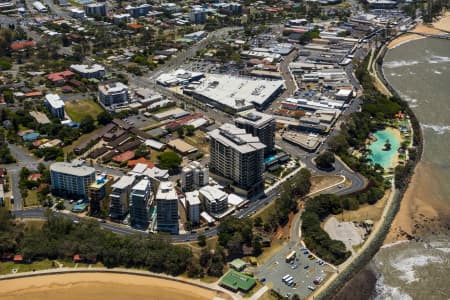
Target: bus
[285, 277]
[291, 256]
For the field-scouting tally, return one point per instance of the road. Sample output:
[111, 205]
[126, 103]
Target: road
[24, 159]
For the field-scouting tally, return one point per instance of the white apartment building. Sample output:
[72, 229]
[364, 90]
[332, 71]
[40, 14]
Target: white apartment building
[119, 195]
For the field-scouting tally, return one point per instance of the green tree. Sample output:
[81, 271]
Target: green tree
[201, 240]
[190, 130]
[104, 118]
[142, 151]
[87, 124]
[8, 96]
[169, 160]
[180, 131]
[257, 247]
[325, 160]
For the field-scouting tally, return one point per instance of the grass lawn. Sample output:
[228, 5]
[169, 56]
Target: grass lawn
[31, 199]
[7, 267]
[77, 110]
[265, 212]
[34, 224]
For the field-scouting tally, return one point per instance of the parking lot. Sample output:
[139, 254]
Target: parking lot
[302, 269]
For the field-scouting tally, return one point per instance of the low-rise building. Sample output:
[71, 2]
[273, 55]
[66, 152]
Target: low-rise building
[89, 71]
[215, 201]
[55, 105]
[235, 93]
[194, 176]
[95, 9]
[197, 16]
[113, 94]
[138, 11]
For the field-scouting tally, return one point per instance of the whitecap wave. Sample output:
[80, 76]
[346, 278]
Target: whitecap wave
[408, 98]
[445, 250]
[387, 292]
[400, 63]
[436, 59]
[437, 72]
[407, 265]
[439, 129]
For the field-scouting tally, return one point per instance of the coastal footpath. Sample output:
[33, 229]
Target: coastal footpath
[352, 266]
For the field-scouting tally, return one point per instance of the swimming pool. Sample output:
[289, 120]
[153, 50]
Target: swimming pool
[270, 159]
[378, 156]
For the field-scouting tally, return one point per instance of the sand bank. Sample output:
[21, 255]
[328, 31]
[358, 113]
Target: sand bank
[421, 210]
[404, 38]
[443, 23]
[420, 28]
[99, 286]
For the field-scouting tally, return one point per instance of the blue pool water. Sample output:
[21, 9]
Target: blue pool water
[378, 156]
[270, 159]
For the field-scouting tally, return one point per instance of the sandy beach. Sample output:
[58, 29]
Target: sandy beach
[422, 209]
[443, 23]
[439, 27]
[99, 286]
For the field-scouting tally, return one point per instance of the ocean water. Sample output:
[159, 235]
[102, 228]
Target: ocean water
[378, 155]
[420, 72]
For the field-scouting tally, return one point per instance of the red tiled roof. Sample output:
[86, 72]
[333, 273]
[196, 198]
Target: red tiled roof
[134, 26]
[123, 157]
[34, 177]
[33, 94]
[67, 88]
[183, 121]
[60, 75]
[76, 257]
[141, 160]
[22, 45]
[18, 258]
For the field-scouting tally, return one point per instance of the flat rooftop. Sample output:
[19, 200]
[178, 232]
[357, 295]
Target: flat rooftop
[236, 138]
[123, 182]
[238, 93]
[73, 168]
[254, 118]
[166, 191]
[304, 140]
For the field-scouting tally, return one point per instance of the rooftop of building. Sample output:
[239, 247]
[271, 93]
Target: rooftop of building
[87, 68]
[236, 138]
[254, 118]
[54, 100]
[112, 87]
[75, 168]
[142, 185]
[212, 193]
[237, 92]
[166, 191]
[124, 182]
[193, 198]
